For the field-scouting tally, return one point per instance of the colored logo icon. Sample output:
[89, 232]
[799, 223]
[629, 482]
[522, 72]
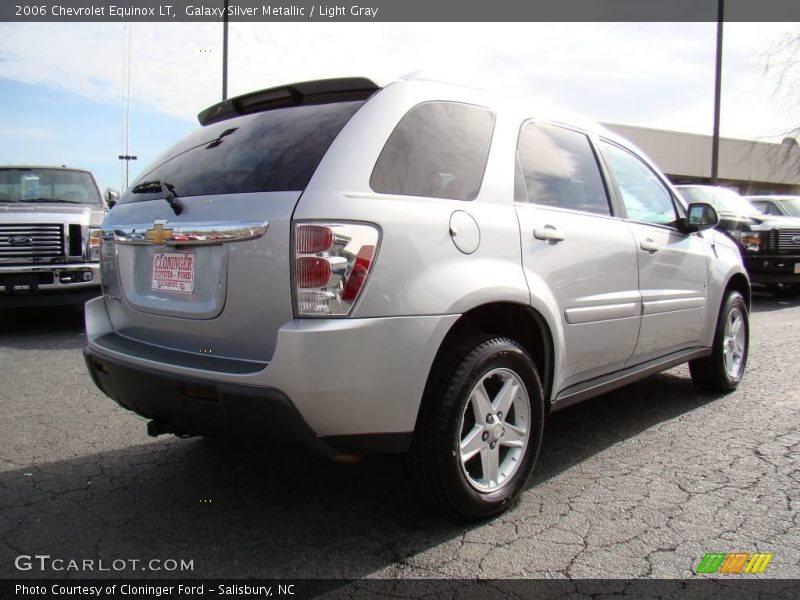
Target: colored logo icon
[734, 563]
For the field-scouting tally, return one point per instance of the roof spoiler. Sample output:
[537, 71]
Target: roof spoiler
[323, 91]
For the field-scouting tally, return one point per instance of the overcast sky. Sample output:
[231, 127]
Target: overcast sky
[62, 87]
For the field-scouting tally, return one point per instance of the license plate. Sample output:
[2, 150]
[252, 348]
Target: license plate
[797, 268]
[173, 272]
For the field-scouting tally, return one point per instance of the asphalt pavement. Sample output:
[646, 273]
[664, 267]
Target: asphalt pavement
[642, 482]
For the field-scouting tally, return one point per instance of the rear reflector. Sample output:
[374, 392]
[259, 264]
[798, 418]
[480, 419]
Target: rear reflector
[359, 273]
[196, 392]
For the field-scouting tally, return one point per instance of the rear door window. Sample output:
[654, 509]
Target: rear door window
[438, 150]
[557, 167]
[272, 151]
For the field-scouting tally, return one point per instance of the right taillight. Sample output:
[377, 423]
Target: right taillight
[331, 265]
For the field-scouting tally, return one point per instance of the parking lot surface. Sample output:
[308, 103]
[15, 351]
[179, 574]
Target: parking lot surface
[642, 482]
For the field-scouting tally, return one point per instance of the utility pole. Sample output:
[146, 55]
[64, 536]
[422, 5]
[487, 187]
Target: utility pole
[717, 96]
[225, 52]
[126, 102]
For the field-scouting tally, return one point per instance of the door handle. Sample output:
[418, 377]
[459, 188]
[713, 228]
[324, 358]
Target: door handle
[548, 233]
[649, 245]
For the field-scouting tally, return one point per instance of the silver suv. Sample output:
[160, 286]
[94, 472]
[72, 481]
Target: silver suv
[420, 268]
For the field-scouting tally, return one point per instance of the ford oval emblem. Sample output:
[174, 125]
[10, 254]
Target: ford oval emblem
[796, 239]
[20, 240]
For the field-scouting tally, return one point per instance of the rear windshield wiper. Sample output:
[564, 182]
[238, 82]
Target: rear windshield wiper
[156, 186]
[51, 200]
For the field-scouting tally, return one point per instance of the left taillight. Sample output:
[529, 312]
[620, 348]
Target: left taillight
[331, 264]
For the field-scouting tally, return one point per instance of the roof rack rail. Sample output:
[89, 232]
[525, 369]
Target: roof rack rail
[322, 91]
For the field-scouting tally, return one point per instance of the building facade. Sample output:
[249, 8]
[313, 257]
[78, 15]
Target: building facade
[749, 167]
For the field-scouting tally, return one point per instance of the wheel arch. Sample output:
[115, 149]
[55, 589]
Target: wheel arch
[741, 284]
[516, 321]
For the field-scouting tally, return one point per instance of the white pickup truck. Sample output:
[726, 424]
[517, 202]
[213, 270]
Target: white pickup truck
[50, 221]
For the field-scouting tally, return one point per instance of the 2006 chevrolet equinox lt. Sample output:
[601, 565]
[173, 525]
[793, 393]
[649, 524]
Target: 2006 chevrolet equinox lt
[421, 268]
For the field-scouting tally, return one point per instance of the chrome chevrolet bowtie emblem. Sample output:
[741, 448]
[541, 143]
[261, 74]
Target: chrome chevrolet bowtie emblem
[158, 234]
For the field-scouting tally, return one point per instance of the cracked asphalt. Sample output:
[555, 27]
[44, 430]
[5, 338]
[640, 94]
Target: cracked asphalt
[641, 482]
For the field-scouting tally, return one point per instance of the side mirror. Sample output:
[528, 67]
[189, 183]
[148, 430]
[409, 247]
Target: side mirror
[700, 216]
[111, 198]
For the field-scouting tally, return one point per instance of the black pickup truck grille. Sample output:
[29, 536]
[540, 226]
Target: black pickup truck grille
[26, 242]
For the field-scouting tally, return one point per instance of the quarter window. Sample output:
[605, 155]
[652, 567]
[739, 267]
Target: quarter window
[557, 167]
[645, 198]
[439, 149]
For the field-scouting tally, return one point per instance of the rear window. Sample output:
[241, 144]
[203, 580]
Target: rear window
[273, 151]
[439, 150]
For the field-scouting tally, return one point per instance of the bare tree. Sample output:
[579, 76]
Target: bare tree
[782, 65]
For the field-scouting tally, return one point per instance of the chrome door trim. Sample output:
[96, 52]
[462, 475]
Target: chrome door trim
[187, 234]
[590, 314]
[652, 307]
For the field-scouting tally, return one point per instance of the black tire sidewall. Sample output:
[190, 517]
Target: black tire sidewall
[497, 354]
[734, 300]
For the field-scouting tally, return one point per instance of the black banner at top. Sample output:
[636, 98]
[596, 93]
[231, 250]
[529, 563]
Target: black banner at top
[396, 10]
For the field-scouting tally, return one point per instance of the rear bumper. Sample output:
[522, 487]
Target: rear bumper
[190, 406]
[338, 385]
[773, 269]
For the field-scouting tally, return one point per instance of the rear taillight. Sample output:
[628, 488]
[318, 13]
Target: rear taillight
[312, 239]
[332, 262]
[312, 272]
[358, 275]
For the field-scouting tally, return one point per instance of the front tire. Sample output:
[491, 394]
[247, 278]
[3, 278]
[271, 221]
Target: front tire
[722, 370]
[479, 430]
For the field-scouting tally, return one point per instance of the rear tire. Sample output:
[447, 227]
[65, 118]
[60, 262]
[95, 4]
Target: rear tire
[479, 430]
[722, 370]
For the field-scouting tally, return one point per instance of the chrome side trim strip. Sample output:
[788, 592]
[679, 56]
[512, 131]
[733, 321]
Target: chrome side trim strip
[652, 307]
[590, 314]
[185, 234]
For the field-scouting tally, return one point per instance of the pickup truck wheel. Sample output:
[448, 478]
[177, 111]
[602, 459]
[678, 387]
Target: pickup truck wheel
[785, 290]
[480, 429]
[722, 370]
